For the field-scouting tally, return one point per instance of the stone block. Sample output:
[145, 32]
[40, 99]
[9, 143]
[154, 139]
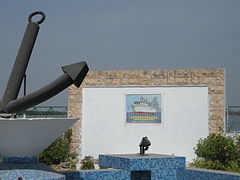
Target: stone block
[203, 73]
[216, 89]
[216, 115]
[216, 99]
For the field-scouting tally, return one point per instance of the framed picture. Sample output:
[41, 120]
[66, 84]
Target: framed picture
[143, 108]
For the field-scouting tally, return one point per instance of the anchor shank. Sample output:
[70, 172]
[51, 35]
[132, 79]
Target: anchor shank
[21, 62]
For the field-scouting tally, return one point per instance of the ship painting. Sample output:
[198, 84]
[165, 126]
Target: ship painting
[143, 108]
[139, 107]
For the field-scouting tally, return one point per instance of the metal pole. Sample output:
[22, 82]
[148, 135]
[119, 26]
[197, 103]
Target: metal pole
[25, 85]
[24, 89]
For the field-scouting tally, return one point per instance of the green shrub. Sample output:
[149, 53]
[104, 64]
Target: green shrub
[233, 166]
[58, 151]
[87, 163]
[237, 142]
[217, 148]
[215, 165]
[218, 152]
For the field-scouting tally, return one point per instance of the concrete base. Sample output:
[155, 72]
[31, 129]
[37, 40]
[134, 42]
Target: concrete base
[22, 140]
[29, 137]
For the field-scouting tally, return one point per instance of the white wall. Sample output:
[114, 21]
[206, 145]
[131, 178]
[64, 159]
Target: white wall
[105, 131]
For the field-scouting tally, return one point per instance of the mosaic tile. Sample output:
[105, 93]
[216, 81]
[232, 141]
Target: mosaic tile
[107, 174]
[205, 174]
[26, 174]
[161, 166]
[20, 160]
[154, 166]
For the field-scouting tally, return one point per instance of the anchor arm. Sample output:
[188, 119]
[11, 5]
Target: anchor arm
[73, 74]
[40, 95]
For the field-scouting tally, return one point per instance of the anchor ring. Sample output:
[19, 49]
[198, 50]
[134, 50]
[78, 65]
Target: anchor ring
[36, 13]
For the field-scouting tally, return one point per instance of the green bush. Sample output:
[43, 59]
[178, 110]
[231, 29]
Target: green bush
[215, 165]
[58, 151]
[233, 166]
[87, 163]
[218, 152]
[217, 147]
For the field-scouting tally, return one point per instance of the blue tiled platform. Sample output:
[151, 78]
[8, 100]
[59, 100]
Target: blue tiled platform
[122, 167]
[14, 168]
[160, 166]
[206, 174]
[102, 174]
[26, 174]
[20, 160]
[134, 162]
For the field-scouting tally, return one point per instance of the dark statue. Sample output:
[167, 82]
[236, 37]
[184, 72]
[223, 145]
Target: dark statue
[144, 145]
[73, 74]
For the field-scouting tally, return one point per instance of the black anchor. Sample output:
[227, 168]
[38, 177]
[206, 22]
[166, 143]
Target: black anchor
[73, 74]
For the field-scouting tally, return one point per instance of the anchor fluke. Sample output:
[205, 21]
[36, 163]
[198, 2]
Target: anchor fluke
[76, 71]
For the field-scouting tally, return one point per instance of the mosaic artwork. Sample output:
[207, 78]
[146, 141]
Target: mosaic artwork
[143, 108]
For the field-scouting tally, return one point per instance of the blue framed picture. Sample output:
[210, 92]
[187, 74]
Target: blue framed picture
[143, 108]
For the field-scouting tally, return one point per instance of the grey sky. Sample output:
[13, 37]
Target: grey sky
[126, 34]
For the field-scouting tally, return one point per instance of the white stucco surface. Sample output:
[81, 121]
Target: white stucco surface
[105, 131]
[27, 137]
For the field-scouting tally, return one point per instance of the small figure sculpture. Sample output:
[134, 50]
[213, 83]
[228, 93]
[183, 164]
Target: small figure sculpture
[144, 145]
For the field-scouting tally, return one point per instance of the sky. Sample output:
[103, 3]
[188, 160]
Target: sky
[123, 35]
